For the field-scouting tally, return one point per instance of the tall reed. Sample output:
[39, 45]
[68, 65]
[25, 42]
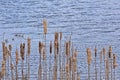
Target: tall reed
[89, 58]
[28, 51]
[95, 50]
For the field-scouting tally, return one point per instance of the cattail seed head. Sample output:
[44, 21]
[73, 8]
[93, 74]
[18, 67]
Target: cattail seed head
[89, 56]
[56, 36]
[44, 54]
[45, 26]
[50, 47]
[110, 51]
[67, 48]
[40, 47]
[74, 59]
[95, 52]
[114, 61]
[75, 67]
[67, 68]
[75, 53]
[29, 45]
[10, 47]
[17, 57]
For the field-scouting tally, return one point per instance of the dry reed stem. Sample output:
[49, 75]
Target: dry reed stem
[17, 59]
[95, 50]
[101, 53]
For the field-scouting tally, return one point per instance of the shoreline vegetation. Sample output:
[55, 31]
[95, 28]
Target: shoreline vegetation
[64, 65]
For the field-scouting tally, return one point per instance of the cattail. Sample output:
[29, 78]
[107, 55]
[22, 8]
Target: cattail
[114, 61]
[10, 47]
[3, 68]
[50, 47]
[75, 53]
[40, 47]
[29, 45]
[89, 56]
[60, 35]
[17, 57]
[45, 26]
[22, 50]
[74, 59]
[56, 36]
[95, 52]
[44, 54]
[67, 67]
[75, 67]
[110, 51]
[67, 48]
[3, 49]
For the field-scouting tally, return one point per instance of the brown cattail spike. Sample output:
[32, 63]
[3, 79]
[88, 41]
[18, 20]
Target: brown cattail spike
[10, 47]
[110, 51]
[40, 47]
[29, 45]
[67, 48]
[45, 26]
[50, 47]
[17, 57]
[67, 68]
[89, 56]
[95, 52]
[114, 61]
[56, 36]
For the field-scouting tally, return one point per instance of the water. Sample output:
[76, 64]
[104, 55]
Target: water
[91, 22]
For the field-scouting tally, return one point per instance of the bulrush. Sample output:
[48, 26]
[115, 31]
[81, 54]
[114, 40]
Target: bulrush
[95, 51]
[3, 69]
[45, 26]
[114, 61]
[101, 53]
[104, 53]
[3, 50]
[67, 68]
[50, 47]
[17, 56]
[67, 48]
[40, 47]
[29, 45]
[114, 65]
[110, 52]
[89, 58]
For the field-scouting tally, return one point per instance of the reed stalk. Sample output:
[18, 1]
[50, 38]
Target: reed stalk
[95, 50]
[89, 58]
[101, 53]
